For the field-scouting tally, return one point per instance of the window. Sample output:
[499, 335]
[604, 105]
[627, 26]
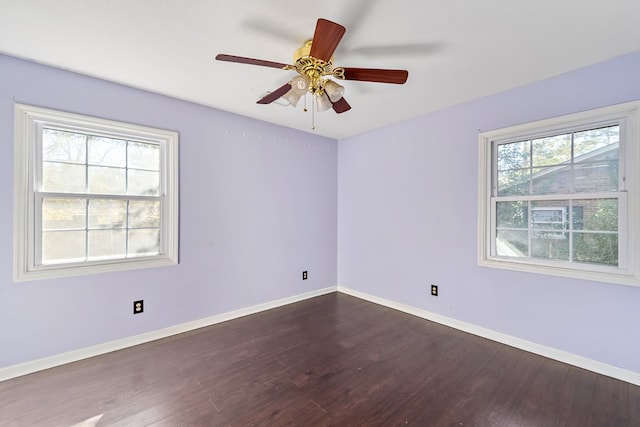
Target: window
[560, 196]
[92, 195]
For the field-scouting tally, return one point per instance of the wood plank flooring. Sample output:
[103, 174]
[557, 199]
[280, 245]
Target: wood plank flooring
[333, 360]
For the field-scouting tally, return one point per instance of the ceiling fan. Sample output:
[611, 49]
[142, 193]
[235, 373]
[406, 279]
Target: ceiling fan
[314, 64]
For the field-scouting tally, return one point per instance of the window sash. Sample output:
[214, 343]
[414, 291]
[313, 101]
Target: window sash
[89, 165]
[39, 231]
[620, 196]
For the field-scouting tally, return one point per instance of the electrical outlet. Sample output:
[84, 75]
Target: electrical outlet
[138, 306]
[304, 275]
[434, 290]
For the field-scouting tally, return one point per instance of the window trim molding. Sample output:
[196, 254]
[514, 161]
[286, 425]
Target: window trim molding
[630, 158]
[27, 119]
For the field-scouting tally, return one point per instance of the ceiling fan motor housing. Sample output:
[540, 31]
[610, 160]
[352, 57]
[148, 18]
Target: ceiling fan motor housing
[314, 69]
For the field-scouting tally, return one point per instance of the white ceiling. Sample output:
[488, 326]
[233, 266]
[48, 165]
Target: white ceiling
[454, 50]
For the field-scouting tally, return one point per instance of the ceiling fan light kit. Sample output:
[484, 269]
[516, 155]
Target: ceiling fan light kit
[316, 73]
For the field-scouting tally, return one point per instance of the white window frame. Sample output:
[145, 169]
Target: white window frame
[29, 121]
[628, 116]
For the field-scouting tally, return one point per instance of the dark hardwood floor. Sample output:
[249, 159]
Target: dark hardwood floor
[331, 360]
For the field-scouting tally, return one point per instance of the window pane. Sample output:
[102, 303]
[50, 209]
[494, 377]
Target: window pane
[144, 242]
[550, 215]
[105, 180]
[63, 214]
[144, 214]
[107, 151]
[512, 243]
[512, 214]
[596, 248]
[144, 156]
[551, 180]
[514, 155]
[595, 141]
[143, 182]
[550, 245]
[64, 178]
[63, 246]
[513, 182]
[107, 244]
[63, 146]
[107, 213]
[552, 150]
[595, 215]
[594, 177]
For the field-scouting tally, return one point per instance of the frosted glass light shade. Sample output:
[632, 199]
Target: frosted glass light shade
[322, 102]
[299, 86]
[333, 90]
[292, 97]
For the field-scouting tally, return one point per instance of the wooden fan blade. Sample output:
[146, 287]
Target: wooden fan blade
[251, 61]
[268, 99]
[341, 105]
[325, 39]
[376, 75]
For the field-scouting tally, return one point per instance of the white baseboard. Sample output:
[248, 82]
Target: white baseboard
[552, 353]
[96, 350]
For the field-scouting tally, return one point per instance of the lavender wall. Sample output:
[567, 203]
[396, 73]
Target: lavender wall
[407, 215]
[259, 202]
[257, 206]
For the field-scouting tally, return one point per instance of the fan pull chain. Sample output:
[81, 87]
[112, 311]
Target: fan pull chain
[314, 104]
